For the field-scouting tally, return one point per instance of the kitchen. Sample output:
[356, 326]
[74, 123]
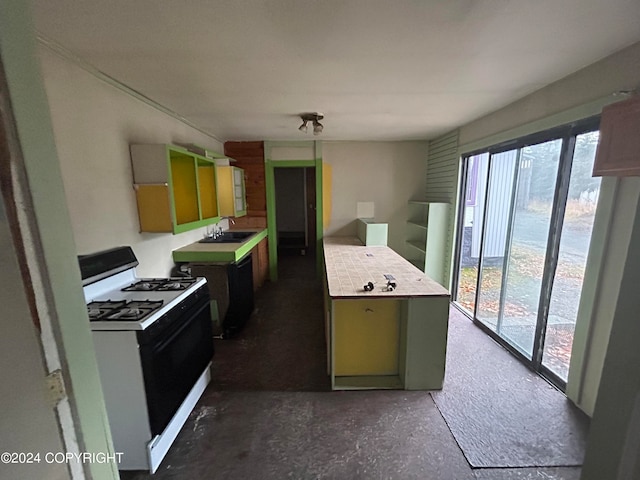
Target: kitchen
[95, 167]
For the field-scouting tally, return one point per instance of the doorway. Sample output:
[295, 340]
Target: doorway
[525, 221]
[295, 191]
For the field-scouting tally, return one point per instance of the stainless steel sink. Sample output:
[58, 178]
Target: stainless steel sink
[229, 237]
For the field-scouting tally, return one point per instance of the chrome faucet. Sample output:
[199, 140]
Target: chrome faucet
[216, 230]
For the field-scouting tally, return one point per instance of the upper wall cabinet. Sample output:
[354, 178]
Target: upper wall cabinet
[231, 191]
[175, 188]
[619, 145]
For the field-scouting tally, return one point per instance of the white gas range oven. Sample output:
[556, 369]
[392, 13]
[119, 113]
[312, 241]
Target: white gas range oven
[154, 344]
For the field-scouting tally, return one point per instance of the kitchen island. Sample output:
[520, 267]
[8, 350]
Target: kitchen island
[391, 334]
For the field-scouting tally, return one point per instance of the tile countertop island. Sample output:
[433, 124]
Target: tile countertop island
[382, 338]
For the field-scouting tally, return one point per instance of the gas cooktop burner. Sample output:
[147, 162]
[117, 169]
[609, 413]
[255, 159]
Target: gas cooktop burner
[161, 284]
[122, 310]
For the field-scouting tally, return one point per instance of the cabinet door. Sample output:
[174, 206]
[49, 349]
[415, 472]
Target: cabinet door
[239, 195]
[366, 337]
[231, 191]
[154, 208]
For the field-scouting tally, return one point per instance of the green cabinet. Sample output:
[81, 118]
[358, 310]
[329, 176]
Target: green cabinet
[175, 189]
[231, 191]
[427, 230]
[387, 343]
[371, 232]
[381, 339]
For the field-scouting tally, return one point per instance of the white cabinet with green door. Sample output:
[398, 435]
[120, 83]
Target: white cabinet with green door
[175, 189]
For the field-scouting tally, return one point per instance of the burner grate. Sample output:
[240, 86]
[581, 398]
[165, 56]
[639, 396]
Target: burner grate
[161, 284]
[122, 310]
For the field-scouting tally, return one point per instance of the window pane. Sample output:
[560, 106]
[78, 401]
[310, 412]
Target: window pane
[501, 183]
[477, 167]
[532, 217]
[574, 246]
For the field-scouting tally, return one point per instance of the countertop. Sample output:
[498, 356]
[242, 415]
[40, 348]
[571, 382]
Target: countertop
[219, 252]
[350, 265]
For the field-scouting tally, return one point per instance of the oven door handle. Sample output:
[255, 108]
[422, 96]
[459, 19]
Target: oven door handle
[192, 316]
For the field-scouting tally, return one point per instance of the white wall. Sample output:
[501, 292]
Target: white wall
[386, 173]
[612, 74]
[578, 96]
[94, 123]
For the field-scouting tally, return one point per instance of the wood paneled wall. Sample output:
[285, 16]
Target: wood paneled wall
[250, 157]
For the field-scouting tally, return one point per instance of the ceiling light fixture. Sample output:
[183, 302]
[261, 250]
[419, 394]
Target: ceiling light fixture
[314, 118]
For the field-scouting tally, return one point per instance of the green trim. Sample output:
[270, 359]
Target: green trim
[292, 163]
[196, 164]
[202, 222]
[213, 256]
[270, 186]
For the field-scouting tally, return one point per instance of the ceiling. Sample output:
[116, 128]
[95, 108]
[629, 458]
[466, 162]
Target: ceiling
[377, 69]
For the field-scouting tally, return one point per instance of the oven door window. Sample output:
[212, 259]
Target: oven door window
[172, 364]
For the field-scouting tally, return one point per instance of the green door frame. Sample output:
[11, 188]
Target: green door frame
[270, 166]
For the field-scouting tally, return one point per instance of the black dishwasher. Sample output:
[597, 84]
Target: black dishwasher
[240, 276]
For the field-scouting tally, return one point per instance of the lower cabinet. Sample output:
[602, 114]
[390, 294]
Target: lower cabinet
[218, 282]
[366, 337]
[231, 289]
[387, 343]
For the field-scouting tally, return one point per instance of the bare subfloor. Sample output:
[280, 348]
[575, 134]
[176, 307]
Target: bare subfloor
[269, 414]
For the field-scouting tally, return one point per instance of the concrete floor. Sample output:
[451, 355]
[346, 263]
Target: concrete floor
[269, 414]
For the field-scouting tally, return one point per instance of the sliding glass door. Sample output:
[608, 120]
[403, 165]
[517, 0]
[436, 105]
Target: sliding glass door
[579, 215]
[524, 229]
